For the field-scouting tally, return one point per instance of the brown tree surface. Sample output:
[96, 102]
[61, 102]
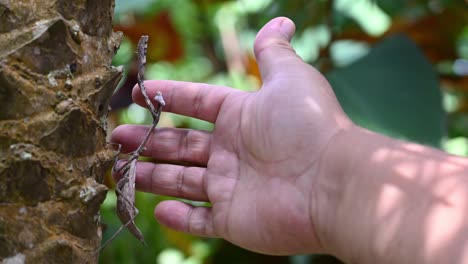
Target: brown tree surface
[55, 85]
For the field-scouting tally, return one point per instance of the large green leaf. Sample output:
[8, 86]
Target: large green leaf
[393, 90]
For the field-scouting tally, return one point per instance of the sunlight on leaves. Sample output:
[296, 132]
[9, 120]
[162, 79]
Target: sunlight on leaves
[135, 114]
[373, 20]
[309, 43]
[170, 256]
[252, 6]
[346, 52]
[457, 146]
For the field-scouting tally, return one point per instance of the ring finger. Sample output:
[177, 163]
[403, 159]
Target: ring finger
[171, 180]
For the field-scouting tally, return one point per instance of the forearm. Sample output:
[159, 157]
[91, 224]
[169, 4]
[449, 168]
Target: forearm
[396, 202]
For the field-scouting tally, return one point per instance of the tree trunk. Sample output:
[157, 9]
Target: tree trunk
[55, 86]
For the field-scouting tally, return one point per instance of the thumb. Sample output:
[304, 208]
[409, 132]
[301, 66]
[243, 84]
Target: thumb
[272, 49]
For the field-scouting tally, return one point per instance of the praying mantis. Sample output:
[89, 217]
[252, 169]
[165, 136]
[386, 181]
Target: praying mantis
[125, 188]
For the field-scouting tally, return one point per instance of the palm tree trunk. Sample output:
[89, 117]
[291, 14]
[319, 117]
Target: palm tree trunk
[55, 86]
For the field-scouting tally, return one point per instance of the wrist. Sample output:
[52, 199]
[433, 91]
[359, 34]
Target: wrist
[345, 228]
[381, 200]
[329, 187]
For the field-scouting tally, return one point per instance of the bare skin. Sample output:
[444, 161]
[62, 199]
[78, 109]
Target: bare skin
[281, 169]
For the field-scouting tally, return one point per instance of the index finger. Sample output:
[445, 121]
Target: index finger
[202, 101]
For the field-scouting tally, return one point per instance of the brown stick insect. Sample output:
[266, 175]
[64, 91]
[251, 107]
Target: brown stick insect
[125, 188]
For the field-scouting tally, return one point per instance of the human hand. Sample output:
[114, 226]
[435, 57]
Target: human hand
[261, 165]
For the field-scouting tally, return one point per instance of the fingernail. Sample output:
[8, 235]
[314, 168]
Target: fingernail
[287, 28]
[276, 23]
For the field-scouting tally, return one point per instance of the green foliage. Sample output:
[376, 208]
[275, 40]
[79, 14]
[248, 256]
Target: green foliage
[400, 98]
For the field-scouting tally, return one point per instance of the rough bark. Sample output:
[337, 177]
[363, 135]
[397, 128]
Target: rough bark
[55, 86]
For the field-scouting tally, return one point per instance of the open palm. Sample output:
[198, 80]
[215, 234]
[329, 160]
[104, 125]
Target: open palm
[259, 166]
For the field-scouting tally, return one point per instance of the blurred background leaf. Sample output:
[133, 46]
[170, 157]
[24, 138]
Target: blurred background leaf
[400, 98]
[399, 67]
